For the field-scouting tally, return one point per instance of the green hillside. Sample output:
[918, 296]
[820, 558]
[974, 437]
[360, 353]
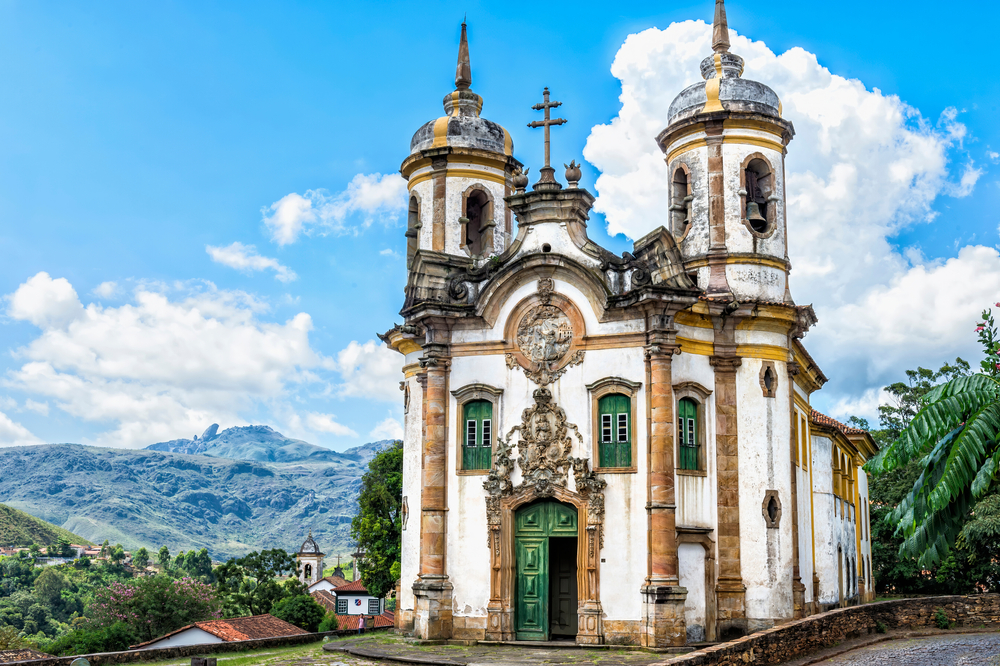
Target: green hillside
[20, 529]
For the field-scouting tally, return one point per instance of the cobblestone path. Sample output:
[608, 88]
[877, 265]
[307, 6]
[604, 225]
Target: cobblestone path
[960, 650]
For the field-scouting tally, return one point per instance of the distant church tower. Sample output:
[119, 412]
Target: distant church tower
[458, 173]
[725, 150]
[310, 561]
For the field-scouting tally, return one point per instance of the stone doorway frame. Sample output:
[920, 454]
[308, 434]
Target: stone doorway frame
[703, 537]
[589, 541]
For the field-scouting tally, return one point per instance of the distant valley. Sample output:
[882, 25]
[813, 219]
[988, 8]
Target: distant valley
[231, 492]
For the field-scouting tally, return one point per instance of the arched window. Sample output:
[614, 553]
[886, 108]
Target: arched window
[478, 220]
[309, 572]
[680, 206]
[477, 443]
[615, 423]
[758, 185]
[687, 433]
[412, 229]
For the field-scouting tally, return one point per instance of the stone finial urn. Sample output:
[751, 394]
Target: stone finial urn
[573, 173]
[520, 180]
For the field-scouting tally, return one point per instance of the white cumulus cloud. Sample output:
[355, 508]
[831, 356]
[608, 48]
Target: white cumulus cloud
[15, 434]
[246, 258]
[157, 367]
[370, 370]
[388, 428]
[327, 423]
[107, 290]
[368, 197]
[863, 166]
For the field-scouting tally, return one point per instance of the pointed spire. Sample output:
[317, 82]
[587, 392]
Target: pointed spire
[463, 73]
[720, 29]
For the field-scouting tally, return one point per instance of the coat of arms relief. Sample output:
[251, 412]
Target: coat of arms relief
[544, 339]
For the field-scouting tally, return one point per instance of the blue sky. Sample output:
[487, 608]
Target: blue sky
[136, 135]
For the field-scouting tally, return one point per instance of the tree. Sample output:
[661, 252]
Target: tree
[163, 558]
[10, 639]
[954, 439]
[377, 527]
[249, 582]
[329, 623]
[154, 605]
[64, 548]
[140, 559]
[300, 610]
[198, 565]
[35, 551]
[116, 554]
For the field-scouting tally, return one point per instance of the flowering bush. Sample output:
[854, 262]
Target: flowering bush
[154, 605]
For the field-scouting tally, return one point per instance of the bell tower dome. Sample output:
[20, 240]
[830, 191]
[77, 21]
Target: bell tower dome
[458, 172]
[725, 145]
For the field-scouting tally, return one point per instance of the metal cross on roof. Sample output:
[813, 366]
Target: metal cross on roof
[546, 106]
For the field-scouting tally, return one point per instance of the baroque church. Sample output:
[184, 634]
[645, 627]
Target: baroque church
[616, 449]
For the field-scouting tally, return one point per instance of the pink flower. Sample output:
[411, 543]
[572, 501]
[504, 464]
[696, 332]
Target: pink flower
[978, 328]
[998, 305]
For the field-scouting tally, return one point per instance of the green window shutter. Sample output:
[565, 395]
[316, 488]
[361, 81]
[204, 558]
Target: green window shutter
[615, 431]
[687, 433]
[477, 435]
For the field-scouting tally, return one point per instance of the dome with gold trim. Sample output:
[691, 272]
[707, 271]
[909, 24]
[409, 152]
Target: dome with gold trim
[463, 127]
[723, 88]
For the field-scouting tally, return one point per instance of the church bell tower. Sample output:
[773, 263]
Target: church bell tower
[458, 172]
[725, 145]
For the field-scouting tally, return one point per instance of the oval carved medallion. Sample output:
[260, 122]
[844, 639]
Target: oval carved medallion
[544, 334]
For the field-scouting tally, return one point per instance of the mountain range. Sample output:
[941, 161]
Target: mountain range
[241, 489]
[18, 528]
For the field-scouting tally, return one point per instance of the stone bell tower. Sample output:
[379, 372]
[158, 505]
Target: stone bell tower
[725, 145]
[458, 172]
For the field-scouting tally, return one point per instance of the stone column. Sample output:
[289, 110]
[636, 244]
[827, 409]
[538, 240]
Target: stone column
[730, 590]
[433, 591]
[718, 284]
[798, 589]
[663, 597]
[439, 186]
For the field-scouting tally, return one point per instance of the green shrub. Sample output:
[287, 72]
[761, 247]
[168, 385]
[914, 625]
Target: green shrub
[880, 627]
[329, 622]
[300, 610]
[941, 619]
[115, 638]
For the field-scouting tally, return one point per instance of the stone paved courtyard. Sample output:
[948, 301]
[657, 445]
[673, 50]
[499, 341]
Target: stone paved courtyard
[958, 650]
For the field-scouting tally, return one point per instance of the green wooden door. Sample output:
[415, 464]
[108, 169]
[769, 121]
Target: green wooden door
[534, 525]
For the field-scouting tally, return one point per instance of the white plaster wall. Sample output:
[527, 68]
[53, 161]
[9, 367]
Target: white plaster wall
[425, 193]
[805, 530]
[864, 518]
[826, 528]
[691, 571]
[354, 608]
[322, 584]
[764, 464]
[412, 443]
[697, 240]
[192, 636]
[625, 495]
[696, 496]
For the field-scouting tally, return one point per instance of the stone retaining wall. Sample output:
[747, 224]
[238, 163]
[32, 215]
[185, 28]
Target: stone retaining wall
[802, 637]
[181, 651]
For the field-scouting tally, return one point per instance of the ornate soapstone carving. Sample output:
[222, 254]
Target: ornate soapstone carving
[543, 447]
[544, 334]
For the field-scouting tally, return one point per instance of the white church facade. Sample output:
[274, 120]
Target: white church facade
[616, 449]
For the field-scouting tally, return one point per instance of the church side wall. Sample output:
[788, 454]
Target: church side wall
[764, 464]
[412, 441]
[864, 522]
[827, 529]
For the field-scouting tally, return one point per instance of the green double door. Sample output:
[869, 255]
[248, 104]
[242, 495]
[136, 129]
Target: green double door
[545, 560]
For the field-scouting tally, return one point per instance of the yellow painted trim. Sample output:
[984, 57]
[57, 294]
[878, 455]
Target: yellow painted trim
[508, 143]
[697, 143]
[766, 352]
[712, 88]
[771, 262]
[779, 108]
[454, 102]
[411, 370]
[406, 346]
[459, 173]
[692, 319]
[699, 347]
[460, 158]
[440, 132]
[754, 141]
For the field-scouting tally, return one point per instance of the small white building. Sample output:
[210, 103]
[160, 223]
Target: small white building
[224, 631]
[354, 599]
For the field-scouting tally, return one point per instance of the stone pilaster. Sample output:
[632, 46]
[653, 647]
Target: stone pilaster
[439, 183]
[433, 591]
[798, 589]
[730, 589]
[718, 283]
[663, 598]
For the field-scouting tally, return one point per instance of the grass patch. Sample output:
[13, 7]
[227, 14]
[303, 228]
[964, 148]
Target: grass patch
[246, 658]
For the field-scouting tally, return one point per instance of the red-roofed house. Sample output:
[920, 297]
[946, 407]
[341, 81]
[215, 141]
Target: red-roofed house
[224, 631]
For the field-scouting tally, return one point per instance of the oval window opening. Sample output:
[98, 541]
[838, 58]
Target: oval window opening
[772, 510]
[546, 248]
[768, 379]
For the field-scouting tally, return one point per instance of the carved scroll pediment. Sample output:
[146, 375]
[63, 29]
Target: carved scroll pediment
[546, 337]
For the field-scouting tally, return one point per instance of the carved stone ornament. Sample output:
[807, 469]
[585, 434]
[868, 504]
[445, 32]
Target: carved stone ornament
[543, 376]
[543, 447]
[544, 334]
